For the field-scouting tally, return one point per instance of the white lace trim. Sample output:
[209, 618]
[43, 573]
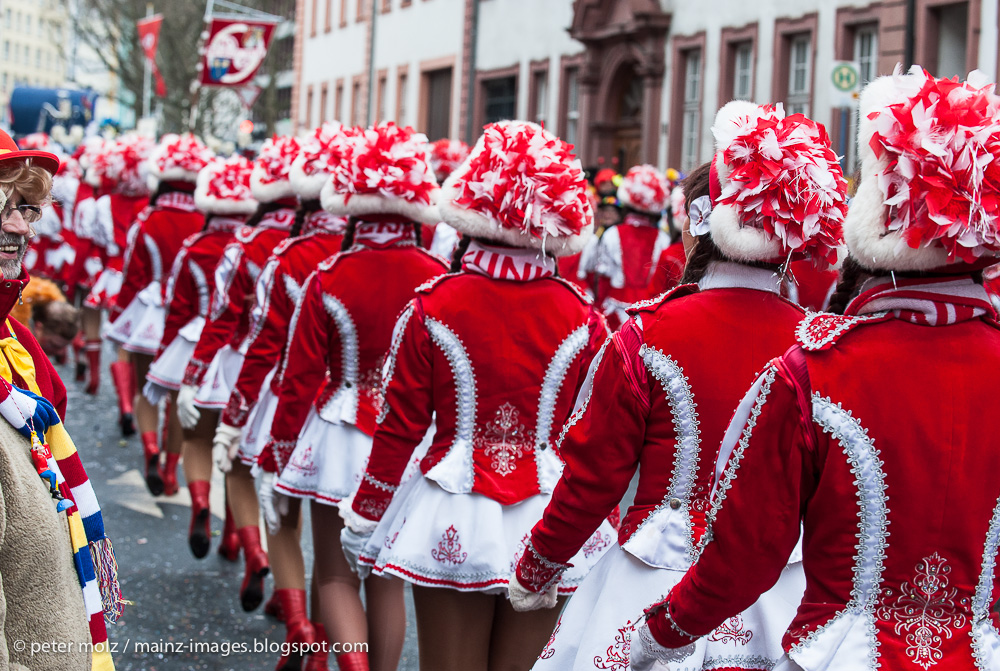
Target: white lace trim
[175, 270]
[292, 325]
[155, 259]
[263, 287]
[552, 383]
[292, 288]
[813, 336]
[225, 272]
[985, 651]
[201, 283]
[687, 452]
[390, 360]
[254, 270]
[345, 400]
[585, 394]
[866, 467]
[455, 471]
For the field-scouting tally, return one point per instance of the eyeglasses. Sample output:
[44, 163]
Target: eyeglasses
[30, 213]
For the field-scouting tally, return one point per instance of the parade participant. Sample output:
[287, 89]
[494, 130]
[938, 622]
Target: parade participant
[87, 264]
[670, 267]
[339, 337]
[870, 433]
[496, 353]
[445, 156]
[660, 399]
[579, 268]
[223, 195]
[35, 407]
[122, 173]
[215, 364]
[138, 326]
[246, 421]
[627, 255]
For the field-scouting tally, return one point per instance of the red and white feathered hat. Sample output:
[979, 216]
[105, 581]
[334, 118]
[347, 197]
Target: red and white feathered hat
[777, 189]
[125, 163]
[521, 186]
[446, 155]
[644, 189]
[35, 142]
[270, 178]
[178, 158]
[311, 168]
[224, 187]
[383, 169]
[929, 195]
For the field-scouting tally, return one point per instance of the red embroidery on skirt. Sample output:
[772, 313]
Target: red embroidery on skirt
[449, 548]
[732, 631]
[548, 650]
[617, 654]
[596, 543]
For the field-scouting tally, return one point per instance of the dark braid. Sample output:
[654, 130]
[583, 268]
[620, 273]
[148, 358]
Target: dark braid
[697, 264]
[460, 249]
[305, 208]
[262, 209]
[163, 188]
[418, 233]
[348, 241]
[851, 274]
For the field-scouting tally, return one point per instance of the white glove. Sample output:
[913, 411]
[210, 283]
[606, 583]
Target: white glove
[114, 250]
[225, 445]
[647, 654]
[523, 599]
[273, 504]
[353, 543]
[187, 412]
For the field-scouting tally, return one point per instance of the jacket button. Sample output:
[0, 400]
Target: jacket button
[675, 504]
[348, 385]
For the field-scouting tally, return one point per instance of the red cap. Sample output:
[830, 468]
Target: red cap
[10, 152]
[605, 175]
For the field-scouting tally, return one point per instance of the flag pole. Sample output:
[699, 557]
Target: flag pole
[147, 75]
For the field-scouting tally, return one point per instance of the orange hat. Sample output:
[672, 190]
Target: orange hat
[9, 152]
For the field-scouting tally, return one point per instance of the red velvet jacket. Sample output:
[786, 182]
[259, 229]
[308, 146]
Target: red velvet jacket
[151, 251]
[669, 269]
[189, 289]
[341, 330]
[497, 363]
[49, 382]
[235, 277]
[627, 258]
[660, 401]
[116, 213]
[279, 290]
[877, 436]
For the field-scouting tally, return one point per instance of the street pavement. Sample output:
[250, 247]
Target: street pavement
[185, 613]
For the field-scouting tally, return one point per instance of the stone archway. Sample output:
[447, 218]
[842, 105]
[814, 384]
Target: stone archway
[621, 79]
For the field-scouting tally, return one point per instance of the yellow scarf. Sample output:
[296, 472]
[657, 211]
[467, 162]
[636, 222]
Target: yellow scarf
[15, 355]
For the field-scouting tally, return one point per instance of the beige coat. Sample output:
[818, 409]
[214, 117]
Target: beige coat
[40, 597]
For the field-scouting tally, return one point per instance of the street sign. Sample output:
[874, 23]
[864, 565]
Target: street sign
[845, 83]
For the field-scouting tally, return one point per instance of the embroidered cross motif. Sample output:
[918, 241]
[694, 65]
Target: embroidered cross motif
[925, 610]
[303, 462]
[449, 549]
[617, 655]
[505, 440]
[732, 631]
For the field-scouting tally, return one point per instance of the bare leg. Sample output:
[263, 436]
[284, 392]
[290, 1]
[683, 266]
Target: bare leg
[518, 638]
[339, 588]
[196, 443]
[453, 628]
[386, 612]
[146, 414]
[242, 495]
[285, 552]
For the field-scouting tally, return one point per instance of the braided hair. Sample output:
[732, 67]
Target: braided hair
[305, 208]
[696, 185]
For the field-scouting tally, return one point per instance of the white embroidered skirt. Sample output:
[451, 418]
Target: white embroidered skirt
[595, 629]
[105, 289]
[220, 378]
[167, 371]
[139, 327]
[327, 463]
[467, 542]
[257, 430]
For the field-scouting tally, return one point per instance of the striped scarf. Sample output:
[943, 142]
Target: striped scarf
[93, 557]
[929, 301]
[505, 263]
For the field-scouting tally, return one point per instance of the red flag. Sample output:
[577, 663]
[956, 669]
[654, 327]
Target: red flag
[149, 39]
[234, 50]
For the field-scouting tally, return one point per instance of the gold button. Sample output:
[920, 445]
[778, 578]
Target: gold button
[675, 504]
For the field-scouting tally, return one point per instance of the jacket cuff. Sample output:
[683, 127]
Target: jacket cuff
[266, 459]
[237, 410]
[194, 374]
[663, 627]
[536, 573]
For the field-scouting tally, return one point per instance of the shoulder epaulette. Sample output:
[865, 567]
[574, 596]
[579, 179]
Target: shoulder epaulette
[822, 330]
[437, 257]
[329, 262]
[577, 291]
[651, 305]
[247, 233]
[432, 283]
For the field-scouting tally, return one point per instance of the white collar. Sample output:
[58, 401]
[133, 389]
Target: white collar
[728, 274]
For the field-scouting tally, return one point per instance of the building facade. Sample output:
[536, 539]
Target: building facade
[626, 81]
[32, 38]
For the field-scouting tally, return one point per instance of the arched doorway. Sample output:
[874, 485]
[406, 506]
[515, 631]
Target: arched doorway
[625, 118]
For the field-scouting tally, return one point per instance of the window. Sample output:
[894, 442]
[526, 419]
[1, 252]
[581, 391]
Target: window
[743, 71]
[309, 107]
[380, 101]
[572, 123]
[6, 48]
[338, 101]
[691, 121]
[402, 79]
[4, 87]
[7, 19]
[324, 94]
[315, 18]
[343, 13]
[540, 95]
[499, 99]
[952, 39]
[866, 52]
[799, 74]
[437, 86]
[356, 103]
[38, 58]
[27, 24]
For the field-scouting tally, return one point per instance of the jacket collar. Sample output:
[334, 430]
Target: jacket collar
[10, 292]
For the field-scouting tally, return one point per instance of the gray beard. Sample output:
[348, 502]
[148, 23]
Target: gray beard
[11, 269]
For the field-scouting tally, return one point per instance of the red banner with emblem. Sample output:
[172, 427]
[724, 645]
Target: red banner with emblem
[149, 39]
[234, 51]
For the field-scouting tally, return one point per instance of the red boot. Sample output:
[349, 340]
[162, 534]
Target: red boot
[93, 351]
[123, 377]
[298, 629]
[200, 531]
[81, 365]
[229, 548]
[151, 452]
[252, 589]
[169, 473]
[318, 660]
[273, 608]
[353, 661]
